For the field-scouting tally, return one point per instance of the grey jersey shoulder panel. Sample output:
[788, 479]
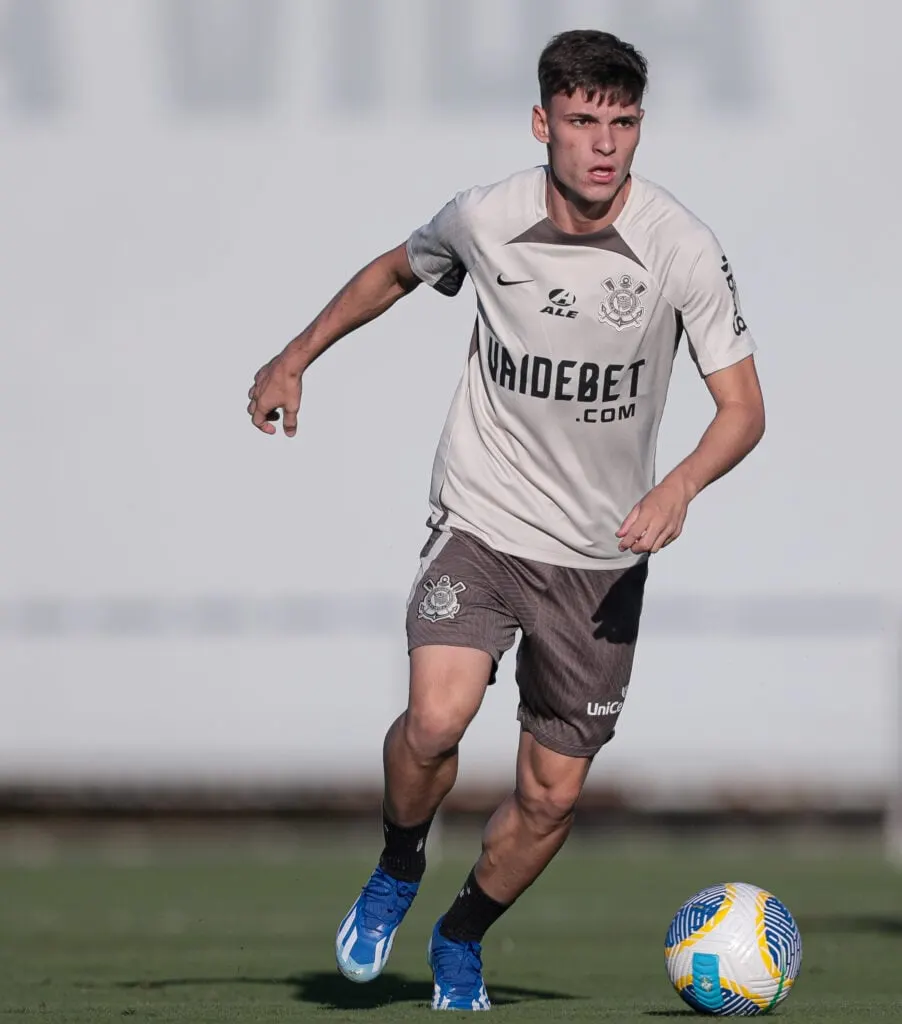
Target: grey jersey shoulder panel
[546, 232]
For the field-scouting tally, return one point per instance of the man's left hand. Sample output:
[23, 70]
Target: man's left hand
[658, 518]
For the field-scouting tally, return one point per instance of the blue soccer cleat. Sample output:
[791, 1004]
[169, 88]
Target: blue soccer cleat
[456, 973]
[366, 934]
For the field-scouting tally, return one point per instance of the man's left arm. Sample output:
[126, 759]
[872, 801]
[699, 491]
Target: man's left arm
[737, 427]
[723, 350]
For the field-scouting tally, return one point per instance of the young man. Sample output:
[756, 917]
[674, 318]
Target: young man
[544, 508]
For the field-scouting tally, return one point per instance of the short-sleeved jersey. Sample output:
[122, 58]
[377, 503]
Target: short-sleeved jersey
[551, 436]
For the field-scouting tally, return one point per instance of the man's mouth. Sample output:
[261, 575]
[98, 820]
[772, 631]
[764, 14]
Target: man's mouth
[602, 174]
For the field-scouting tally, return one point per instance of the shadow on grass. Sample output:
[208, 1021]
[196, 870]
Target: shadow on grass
[670, 1013]
[332, 992]
[850, 924]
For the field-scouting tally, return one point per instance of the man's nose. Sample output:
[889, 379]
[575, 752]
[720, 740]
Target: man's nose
[604, 141]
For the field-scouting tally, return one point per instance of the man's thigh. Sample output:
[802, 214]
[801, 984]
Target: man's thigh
[447, 686]
[574, 667]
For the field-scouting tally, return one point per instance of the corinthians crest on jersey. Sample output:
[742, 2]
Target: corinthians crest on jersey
[441, 601]
[622, 306]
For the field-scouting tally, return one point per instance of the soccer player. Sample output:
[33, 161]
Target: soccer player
[544, 506]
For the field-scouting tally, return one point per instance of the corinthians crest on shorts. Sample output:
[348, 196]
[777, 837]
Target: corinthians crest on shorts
[621, 307]
[441, 601]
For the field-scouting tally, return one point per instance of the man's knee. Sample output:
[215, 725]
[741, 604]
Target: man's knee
[548, 804]
[548, 785]
[432, 733]
[446, 688]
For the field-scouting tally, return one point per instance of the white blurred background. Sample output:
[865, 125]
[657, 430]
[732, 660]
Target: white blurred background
[184, 185]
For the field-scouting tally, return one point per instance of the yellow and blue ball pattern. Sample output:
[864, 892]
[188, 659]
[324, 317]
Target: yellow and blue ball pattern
[733, 950]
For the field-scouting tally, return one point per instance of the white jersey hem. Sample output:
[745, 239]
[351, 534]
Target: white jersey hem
[564, 558]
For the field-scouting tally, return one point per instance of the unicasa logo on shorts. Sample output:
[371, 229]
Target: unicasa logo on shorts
[613, 707]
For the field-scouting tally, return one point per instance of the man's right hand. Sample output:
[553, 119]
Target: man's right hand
[367, 295]
[277, 385]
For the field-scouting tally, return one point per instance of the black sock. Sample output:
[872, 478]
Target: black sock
[404, 855]
[471, 914]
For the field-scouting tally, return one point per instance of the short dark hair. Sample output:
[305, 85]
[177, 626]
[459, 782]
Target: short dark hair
[604, 66]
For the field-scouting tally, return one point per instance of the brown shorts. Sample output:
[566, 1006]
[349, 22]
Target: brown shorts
[579, 629]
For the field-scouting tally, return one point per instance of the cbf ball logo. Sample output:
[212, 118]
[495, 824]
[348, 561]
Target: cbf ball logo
[440, 601]
[621, 307]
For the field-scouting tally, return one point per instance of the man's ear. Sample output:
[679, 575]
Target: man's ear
[540, 124]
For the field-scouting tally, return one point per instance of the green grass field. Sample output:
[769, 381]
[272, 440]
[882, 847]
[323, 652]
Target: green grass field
[237, 936]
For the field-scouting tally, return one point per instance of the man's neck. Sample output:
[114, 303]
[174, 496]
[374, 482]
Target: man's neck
[570, 214]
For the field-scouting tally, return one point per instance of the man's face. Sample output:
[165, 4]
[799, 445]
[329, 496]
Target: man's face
[591, 143]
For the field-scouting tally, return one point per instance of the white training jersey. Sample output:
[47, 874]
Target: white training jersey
[551, 436]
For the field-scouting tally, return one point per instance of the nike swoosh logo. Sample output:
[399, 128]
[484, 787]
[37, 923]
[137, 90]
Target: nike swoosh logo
[524, 281]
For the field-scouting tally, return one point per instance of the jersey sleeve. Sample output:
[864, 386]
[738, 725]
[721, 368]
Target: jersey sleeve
[712, 316]
[436, 250]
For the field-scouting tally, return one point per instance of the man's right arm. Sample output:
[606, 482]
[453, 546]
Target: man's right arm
[368, 294]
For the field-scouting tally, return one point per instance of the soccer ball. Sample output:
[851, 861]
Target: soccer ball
[733, 950]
